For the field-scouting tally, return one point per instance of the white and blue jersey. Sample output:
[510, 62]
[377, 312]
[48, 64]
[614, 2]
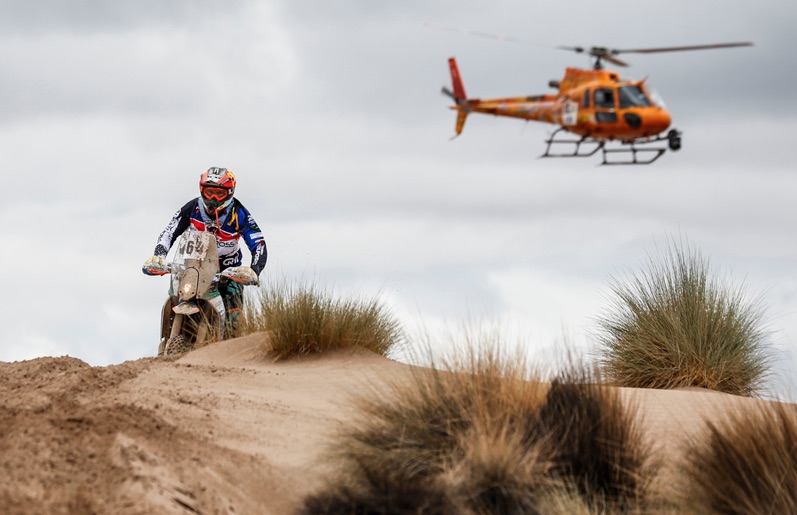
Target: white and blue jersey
[229, 226]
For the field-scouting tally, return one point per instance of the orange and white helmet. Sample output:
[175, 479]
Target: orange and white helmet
[216, 187]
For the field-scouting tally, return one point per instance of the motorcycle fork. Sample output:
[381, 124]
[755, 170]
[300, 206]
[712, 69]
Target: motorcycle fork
[177, 325]
[202, 331]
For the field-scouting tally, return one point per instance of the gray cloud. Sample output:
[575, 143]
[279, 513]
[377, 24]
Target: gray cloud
[88, 16]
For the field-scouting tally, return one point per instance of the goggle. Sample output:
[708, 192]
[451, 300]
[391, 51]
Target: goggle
[213, 193]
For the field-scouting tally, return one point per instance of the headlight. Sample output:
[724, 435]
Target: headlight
[189, 283]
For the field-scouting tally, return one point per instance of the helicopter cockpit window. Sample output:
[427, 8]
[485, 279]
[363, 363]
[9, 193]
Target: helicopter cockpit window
[585, 102]
[632, 96]
[655, 97]
[604, 97]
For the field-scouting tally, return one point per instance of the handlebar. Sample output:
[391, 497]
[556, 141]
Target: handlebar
[240, 274]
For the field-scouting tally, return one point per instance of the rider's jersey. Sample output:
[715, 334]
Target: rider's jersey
[230, 225]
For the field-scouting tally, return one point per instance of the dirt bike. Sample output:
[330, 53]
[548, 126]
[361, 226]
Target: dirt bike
[194, 313]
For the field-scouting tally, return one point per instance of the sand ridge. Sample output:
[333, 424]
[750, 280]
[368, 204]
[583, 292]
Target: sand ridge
[223, 429]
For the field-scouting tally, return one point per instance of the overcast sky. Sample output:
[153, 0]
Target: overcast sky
[330, 114]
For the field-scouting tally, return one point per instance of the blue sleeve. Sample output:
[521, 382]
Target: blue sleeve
[254, 239]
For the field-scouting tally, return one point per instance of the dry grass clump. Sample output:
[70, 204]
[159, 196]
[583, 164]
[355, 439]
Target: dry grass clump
[672, 325]
[302, 319]
[744, 464]
[478, 437]
[599, 444]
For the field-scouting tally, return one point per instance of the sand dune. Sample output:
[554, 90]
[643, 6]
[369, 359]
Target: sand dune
[223, 429]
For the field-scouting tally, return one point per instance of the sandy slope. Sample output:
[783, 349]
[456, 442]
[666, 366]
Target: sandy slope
[221, 430]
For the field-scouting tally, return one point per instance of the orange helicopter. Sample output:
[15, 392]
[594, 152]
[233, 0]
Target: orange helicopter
[595, 104]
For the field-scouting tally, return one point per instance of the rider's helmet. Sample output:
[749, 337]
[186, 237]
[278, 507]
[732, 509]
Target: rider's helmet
[216, 187]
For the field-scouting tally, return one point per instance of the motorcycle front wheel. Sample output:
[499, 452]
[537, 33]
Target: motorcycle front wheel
[176, 345]
[190, 332]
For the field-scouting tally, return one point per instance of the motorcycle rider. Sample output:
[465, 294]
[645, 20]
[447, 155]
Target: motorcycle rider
[217, 211]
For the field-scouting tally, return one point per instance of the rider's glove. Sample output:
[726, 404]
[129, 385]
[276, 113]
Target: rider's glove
[155, 266]
[241, 275]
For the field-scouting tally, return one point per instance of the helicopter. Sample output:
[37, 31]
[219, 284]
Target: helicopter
[624, 119]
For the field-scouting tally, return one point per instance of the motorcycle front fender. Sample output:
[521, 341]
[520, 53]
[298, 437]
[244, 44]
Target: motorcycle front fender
[214, 303]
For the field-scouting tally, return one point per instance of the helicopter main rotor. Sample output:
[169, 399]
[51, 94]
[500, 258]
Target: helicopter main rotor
[608, 54]
[600, 54]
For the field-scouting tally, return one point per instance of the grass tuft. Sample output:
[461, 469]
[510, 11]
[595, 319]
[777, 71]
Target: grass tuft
[601, 452]
[746, 463]
[476, 436]
[672, 325]
[301, 319]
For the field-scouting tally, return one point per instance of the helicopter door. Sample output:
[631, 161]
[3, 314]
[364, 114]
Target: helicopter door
[605, 105]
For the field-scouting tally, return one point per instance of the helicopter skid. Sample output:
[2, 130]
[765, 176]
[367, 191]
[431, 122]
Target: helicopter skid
[630, 152]
[592, 144]
[650, 153]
